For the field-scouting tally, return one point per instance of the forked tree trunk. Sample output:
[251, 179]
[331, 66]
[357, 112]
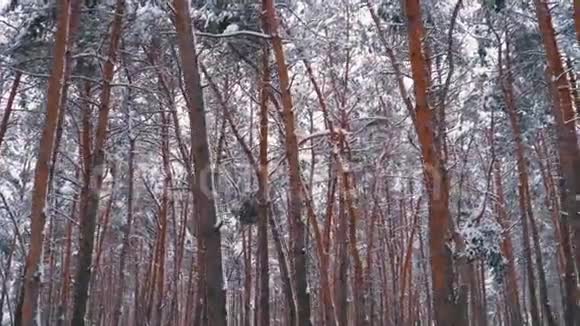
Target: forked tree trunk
[203, 187]
[323, 242]
[90, 208]
[436, 179]
[32, 275]
[295, 204]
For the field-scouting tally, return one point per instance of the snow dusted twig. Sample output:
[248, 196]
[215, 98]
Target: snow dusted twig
[235, 34]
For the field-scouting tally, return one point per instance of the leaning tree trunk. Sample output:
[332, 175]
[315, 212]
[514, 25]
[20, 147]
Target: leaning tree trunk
[9, 105]
[442, 273]
[295, 205]
[203, 189]
[90, 208]
[32, 275]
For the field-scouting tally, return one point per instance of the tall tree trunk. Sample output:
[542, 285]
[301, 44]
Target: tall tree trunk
[32, 275]
[524, 186]
[85, 155]
[118, 305]
[568, 150]
[529, 268]
[442, 273]
[543, 288]
[203, 189]
[295, 205]
[324, 242]
[62, 309]
[511, 284]
[97, 170]
[341, 279]
[284, 271]
[552, 202]
[263, 196]
[358, 285]
[247, 251]
[571, 309]
[565, 118]
[166, 203]
[159, 286]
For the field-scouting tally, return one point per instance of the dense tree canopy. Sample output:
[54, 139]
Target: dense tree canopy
[292, 162]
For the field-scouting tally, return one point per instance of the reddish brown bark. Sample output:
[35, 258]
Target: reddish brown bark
[31, 284]
[284, 271]
[295, 200]
[571, 293]
[166, 203]
[568, 151]
[565, 117]
[435, 176]
[323, 242]
[358, 285]
[66, 275]
[90, 208]
[406, 267]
